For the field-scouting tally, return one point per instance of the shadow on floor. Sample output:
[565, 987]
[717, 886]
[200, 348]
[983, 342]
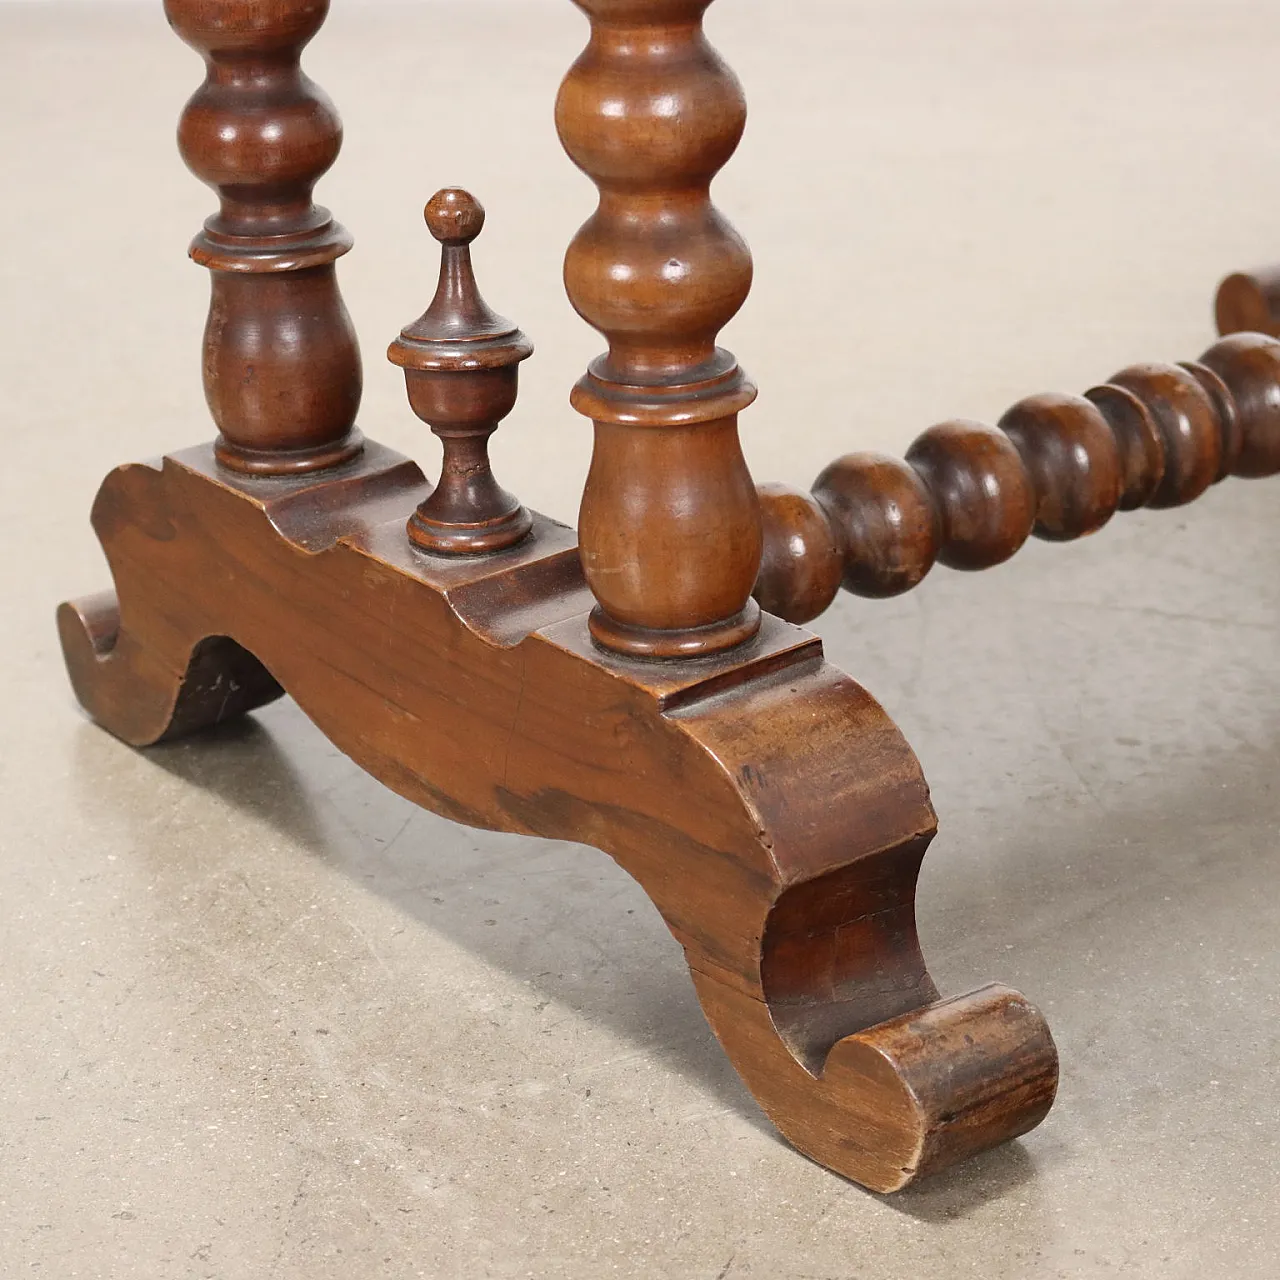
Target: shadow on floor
[568, 921]
[562, 917]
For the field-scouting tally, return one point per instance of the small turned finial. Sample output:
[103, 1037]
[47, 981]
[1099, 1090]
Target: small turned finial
[461, 363]
[454, 216]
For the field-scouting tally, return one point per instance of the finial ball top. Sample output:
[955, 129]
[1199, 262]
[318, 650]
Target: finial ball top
[454, 216]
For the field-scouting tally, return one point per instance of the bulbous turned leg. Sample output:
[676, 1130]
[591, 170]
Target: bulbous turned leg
[670, 525]
[282, 372]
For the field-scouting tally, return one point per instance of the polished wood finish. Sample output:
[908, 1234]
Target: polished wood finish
[281, 363]
[460, 364]
[879, 504]
[764, 801]
[1249, 302]
[670, 527]
[1072, 461]
[968, 496]
[801, 554]
[625, 692]
[982, 495]
[1248, 365]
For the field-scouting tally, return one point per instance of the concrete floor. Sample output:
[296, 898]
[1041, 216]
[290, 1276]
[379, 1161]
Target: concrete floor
[261, 1018]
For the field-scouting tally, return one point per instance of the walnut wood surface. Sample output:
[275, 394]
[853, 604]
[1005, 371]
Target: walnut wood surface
[281, 363]
[764, 801]
[1059, 467]
[460, 364]
[670, 527]
[1249, 302]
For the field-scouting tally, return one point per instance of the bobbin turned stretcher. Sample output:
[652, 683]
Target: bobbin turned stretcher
[620, 687]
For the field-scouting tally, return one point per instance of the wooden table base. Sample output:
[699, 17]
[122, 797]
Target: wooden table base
[765, 802]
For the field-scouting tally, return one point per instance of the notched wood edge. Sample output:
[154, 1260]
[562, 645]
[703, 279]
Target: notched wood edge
[821, 1111]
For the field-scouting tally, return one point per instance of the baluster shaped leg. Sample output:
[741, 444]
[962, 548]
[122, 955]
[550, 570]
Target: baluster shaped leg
[281, 364]
[670, 527]
[811, 975]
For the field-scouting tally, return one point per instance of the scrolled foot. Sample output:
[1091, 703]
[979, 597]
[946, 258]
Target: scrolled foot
[816, 984]
[940, 1084]
[903, 1098]
[144, 695]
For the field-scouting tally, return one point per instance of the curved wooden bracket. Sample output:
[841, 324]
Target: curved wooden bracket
[764, 801]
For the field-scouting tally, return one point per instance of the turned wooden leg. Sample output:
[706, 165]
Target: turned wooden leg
[627, 693]
[281, 363]
[670, 529]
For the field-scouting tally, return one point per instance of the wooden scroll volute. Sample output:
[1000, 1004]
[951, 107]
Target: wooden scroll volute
[281, 364]
[670, 525]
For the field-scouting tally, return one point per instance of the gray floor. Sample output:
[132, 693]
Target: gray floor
[262, 1018]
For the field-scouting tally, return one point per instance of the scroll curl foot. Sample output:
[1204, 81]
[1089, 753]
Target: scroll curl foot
[139, 692]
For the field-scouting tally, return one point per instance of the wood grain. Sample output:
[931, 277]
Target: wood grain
[461, 363]
[1059, 467]
[670, 525]
[282, 368]
[763, 800]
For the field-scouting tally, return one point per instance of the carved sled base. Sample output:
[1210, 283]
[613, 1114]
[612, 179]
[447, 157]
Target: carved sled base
[764, 801]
